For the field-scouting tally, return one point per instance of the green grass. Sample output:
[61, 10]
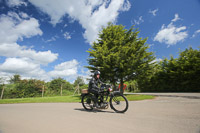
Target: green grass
[56, 99]
[64, 99]
[139, 97]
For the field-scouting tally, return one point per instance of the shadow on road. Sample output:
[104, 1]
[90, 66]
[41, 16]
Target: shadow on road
[93, 111]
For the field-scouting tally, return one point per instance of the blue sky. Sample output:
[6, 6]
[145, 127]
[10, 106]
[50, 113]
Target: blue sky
[46, 39]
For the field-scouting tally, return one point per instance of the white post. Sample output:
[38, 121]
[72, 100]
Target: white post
[42, 90]
[77, 89]
[61, 90]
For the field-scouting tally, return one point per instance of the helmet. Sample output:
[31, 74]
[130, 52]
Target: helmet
[96, 73]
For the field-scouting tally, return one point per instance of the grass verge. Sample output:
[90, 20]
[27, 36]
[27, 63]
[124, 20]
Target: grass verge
[64, 99]
[139, 97]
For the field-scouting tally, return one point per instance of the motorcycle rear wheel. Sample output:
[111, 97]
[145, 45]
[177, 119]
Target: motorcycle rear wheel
[87, 102]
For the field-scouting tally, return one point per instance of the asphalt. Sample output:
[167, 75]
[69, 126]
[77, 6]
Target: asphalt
[164, 114]
[183, 95]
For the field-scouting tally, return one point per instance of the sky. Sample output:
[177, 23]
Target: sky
[47, 39]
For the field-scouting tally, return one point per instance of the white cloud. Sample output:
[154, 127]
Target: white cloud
[67, 35]
[13, 3]
[24, 15]
[52, 39]
[29, 69]
[18, 65]
[22, 66]
[86, 75]
[65, 25]
[157, 60]
[153, 12]
[21, 59]
[70, 70]
[196, 33]
[92, 15]
[126, 6]
[139, 21]
[176, 18]
[171, 34]
[15, 27]
[15, 50]
[65, 69]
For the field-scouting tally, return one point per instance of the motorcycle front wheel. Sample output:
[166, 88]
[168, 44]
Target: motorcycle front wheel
[87, 102]
[119, 103]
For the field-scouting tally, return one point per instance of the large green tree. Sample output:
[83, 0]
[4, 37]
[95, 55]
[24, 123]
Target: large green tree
[119, 54]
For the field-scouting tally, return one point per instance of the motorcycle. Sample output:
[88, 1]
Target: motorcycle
[116, 100]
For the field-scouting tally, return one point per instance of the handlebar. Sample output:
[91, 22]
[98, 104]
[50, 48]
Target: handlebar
[107, 87]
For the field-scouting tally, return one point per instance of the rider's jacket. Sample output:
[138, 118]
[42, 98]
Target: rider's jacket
[93, 85]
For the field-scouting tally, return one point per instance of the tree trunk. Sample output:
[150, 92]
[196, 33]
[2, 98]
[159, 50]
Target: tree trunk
[78, 88]
[2, 92]
[121, 85]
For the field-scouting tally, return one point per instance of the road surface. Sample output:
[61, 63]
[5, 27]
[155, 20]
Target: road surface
[160, 115]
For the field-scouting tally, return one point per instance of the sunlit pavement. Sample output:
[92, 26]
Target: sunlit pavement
[164, 114]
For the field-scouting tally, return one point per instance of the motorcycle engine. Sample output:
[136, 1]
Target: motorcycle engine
[104, 105]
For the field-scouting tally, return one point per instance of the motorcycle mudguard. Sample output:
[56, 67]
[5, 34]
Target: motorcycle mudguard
[115, 93]
[83, 94]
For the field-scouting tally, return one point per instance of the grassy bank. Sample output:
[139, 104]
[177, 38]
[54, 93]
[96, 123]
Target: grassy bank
[63, 99]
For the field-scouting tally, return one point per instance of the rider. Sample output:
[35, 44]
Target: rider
[93, 87]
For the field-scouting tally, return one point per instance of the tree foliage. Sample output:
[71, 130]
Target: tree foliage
[79, 81]
[33, 88]
[119, 54]
[16, 78]
[28, 88]
[55, 85]
[178, 74]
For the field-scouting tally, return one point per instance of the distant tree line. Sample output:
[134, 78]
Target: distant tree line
[22, 88]
[180, 74]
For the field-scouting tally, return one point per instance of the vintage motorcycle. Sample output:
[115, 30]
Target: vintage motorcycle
[117, 101]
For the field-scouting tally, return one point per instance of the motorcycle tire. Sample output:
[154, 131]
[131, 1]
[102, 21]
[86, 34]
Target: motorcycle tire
[119, 103]
[87, 102]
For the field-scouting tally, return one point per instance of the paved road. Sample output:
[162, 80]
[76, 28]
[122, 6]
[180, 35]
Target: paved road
[184, 95]
[161, 115]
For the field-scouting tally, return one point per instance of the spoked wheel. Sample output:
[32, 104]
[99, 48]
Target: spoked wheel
[87, 102]
[119, 103]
